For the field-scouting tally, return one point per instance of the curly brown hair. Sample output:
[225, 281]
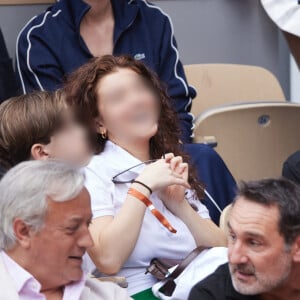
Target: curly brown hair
[80, 89]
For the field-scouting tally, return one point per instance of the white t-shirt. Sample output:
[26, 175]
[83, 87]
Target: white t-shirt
[154, 239]
[285, 13]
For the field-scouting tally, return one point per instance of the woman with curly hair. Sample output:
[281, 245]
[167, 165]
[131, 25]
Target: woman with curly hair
[145, 196]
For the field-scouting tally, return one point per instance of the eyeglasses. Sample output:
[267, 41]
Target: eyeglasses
[121, 178]
[129, 178]
[126, 177]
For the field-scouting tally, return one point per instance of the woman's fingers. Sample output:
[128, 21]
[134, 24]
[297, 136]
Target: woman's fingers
[168, 157]
[182, 182]
[182, 168]
[175, 162]
[166, 172]
[178, 166]
[180, 176]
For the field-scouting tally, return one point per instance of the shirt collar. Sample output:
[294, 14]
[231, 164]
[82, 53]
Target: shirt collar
[125, 12]
[21, 279]
[74, 289]
[122, 158]
[19, 275]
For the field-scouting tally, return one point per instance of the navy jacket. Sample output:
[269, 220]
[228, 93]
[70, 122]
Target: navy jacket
[8, 82]
[50, 46]
[2, 172]
[218, 286]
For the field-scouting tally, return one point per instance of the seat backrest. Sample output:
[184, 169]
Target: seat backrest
[253, 139]
[219, 84]
[224, 218]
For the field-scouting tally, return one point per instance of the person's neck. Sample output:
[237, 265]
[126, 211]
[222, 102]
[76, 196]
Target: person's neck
[138, 149]
[290, 290]
[51, 293]
[17, 255]
[100, 10]
[282, 295]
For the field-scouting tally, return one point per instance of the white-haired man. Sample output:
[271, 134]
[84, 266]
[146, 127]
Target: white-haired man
[45, 213]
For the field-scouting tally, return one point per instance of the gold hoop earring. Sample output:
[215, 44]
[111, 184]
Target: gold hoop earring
[103, 135]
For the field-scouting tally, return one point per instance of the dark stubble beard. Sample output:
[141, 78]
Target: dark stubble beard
[264, 282]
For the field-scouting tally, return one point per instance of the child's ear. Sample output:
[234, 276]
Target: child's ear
[39, 152]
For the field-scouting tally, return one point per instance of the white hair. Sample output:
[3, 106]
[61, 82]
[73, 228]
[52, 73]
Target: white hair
[24, 191]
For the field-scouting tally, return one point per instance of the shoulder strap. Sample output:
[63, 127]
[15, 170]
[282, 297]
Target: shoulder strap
[169, 287]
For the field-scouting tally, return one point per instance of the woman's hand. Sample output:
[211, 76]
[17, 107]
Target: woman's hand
[165, 172]
[173, 196]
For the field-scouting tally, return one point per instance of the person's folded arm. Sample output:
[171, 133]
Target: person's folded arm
[205, 232]
[115, 236]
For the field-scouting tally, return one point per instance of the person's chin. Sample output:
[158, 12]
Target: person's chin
[76, 274]
[242, 286]
[142, 136]
[84, 161]
[75, 266]
[148, 129]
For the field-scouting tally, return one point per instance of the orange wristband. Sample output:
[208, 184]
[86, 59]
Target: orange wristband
[160, 217]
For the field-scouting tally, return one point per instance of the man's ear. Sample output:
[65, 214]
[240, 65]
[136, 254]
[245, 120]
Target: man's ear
[22, 233]
[39, 152]
[296, 250]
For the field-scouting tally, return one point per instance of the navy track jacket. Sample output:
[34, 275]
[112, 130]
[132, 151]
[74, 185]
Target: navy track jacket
[8, 83]
[50, 46]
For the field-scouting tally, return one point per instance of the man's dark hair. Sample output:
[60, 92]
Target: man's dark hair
[282, 193]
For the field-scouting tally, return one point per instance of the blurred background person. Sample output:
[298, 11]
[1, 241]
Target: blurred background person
[40, 126]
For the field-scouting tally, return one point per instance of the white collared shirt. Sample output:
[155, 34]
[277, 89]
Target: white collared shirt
[28, 288]
[154, 239]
